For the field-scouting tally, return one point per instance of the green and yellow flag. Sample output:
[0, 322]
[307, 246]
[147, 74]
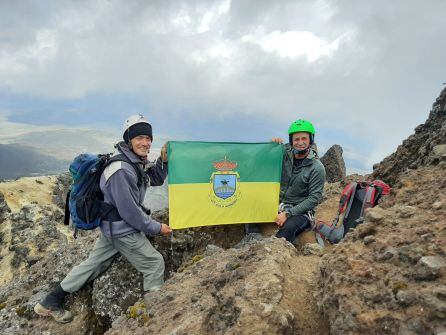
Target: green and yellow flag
[214, 183]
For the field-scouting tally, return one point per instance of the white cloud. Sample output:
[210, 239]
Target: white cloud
[370, 69]
[296, 43]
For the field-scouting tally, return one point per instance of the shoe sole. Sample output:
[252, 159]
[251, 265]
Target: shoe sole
[42, 311]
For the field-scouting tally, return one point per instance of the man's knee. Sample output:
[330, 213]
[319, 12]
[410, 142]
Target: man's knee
[160, 262]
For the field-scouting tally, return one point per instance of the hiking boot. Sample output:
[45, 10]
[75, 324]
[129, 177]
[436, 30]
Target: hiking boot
[60, 315]
[52, 306]
[147, 295]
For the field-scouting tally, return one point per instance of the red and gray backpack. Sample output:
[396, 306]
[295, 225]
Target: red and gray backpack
[355, 199]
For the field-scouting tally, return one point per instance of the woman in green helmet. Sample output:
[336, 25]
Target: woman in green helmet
[302, 182]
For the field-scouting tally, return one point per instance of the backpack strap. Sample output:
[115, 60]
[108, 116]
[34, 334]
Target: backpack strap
[350, 202]
[346, 198]
[66, 220]
[123, 158]
[369, 199]
[109, 212]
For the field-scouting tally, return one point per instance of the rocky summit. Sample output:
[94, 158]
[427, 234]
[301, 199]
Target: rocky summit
[334, 164]
[388, 276]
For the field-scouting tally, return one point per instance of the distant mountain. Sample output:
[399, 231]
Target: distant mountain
[67, 143]
[17, 160]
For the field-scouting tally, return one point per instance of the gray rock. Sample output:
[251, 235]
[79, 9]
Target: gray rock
[212, 249]
[436, 306]
[369, 239]
[428, 267]
[433, 262]
[440, 292]
[437, 205]
[117, 289]
[312, 249]
[4, 209]
[334, 164]
[407, 297]
[374, 215]
[387, 254]
[61, 189]
[439, 151]
[406, 211]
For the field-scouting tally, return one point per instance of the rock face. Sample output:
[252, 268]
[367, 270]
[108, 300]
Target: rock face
[426, 146]
[252, 289]
[387, 276]
[121, 286]
[38, 251]
[4, 209]
[334, 164]
[61, 188]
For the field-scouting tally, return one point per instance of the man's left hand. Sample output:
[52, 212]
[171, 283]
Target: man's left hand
[280, 219]
[164, 152]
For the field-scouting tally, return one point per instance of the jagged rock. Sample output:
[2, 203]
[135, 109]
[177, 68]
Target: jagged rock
[61, 189]
[375, 214]
[439, 151]
[391, 264]
[334, 164]
[187, 243]
[4, 209]
[369, 239]
[313, 249]
[437, 205]
[117, 289]
[407, 297]
[426, 146]
[235, 291]
[429, 267]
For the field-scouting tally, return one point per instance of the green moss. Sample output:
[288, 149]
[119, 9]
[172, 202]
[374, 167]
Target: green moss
[197, 258]
[144, 318]
[398, 286]
[190, 262]
[20, 311]
[135, 311]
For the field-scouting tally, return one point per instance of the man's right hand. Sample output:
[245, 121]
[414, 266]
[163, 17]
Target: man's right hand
[277, 140]
[165, 229]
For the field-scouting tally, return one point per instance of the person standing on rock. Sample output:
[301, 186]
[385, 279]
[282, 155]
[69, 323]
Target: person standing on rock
[125, 230]
[302, 182]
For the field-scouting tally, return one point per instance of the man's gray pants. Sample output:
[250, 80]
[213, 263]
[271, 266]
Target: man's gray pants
[135, 247]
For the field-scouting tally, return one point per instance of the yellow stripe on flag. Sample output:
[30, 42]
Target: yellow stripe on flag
[256, 202]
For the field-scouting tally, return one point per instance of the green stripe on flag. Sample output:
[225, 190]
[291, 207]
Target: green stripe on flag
[193, 162]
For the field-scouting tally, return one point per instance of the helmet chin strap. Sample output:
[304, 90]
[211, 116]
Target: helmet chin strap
[301, 152]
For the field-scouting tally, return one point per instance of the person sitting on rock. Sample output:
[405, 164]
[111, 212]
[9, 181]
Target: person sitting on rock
[301, 185]
[125, 232]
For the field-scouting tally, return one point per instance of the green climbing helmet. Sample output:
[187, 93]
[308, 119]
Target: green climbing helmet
[302, 126]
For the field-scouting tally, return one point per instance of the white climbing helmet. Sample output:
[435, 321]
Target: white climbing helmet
[132, 120]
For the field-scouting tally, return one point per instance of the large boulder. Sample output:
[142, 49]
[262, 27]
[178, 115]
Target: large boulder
[334, 164]
[425, 147]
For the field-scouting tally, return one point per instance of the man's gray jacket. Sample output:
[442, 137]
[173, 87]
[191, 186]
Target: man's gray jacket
[119, 184]
[302, 186]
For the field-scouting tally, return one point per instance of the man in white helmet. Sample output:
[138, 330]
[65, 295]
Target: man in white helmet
[123, 183]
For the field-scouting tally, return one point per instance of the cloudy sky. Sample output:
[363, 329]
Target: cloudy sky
[364, 72]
